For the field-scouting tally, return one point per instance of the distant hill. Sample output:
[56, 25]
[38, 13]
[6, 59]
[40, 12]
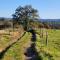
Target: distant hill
[3, 18]
[54, 23]
[50, 20]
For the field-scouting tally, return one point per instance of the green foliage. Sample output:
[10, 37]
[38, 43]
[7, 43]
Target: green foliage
[23, 15]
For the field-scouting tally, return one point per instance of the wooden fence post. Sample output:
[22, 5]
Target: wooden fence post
[46, 38]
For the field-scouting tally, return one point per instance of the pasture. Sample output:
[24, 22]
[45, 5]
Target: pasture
[51, 51]
[46, 51]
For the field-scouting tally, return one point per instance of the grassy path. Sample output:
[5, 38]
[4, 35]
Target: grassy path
[31, 52]
[7, 40]
[24, 49]
[29, 47]
[16, 52]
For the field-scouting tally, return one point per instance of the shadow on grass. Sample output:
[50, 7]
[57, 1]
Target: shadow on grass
[31, 52]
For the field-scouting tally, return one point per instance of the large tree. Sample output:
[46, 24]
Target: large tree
[23, 15]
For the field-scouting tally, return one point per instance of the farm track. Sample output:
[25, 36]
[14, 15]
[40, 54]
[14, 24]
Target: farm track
[31, 52]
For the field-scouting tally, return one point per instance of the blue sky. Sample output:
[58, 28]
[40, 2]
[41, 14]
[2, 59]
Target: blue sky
[48, 9]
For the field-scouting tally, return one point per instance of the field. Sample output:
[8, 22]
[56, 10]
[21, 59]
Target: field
[8, 37]
[16, 52]
[49, 51]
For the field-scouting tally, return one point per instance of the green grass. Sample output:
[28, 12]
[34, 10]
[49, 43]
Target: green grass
[4, 39]
[16, 52]
[51, 51]
[8, 37]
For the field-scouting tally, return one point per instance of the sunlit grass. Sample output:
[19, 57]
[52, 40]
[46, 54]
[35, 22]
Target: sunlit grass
[51, 51]
[16, 52]
[4, 39]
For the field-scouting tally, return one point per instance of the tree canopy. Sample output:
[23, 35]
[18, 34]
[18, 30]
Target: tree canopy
[23, 15]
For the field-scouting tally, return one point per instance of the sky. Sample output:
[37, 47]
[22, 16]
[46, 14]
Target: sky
[47, 9]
